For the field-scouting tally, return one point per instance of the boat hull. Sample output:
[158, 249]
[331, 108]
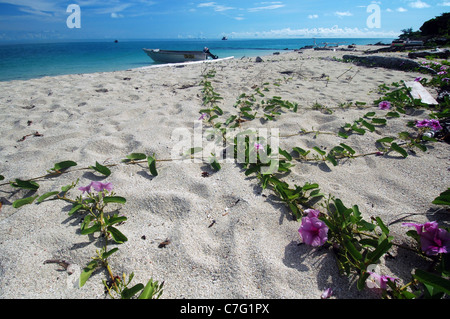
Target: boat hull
[166, 56]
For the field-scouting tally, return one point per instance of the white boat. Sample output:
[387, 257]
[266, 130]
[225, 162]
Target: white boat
[168, 56]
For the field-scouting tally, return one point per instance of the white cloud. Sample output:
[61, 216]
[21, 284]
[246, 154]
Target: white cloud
[334, 32]
[115, 15]
[419, 4]
[343, 14]
[270, 7]
[313, 16]
[444, 4]
[215, 6]
[401, 9]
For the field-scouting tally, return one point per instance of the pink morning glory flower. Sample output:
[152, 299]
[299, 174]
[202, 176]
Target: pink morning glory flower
[202, 117]
[258, 146]
[442, 73]
[385, 105]
[86, 189]
[433, 240]
[422, 123]
[313, 231]
[446, 79]
[418, 79]
[381, 280]
[327, 293]
[433, 124]
[99, 186]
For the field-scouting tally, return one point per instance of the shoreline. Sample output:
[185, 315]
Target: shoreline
[252, 250]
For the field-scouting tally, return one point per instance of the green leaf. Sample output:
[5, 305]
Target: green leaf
[392, 114]
[443, 198]
[383, 227]
[24, 201]
[369, 126]
[433, 280]
[215, 165]
[152, 165]
[301, 151]
[74, 209]
[136, 156]
[379, 121]
[358, 130]
[25, 184]
[101, 169]
[362, 280]
[382, 248]
[370, 114]
[343, 135]
[318, 150]
[63, 165]
[331, 159]
[395, 147]
[106, 255]
[91, 230]
[46, 195]
[285, 154]
[386, 140]
[117, 235]
[348, 148]
[115, 220]
[2, 177]
[353, 251]
[114, 199]
[148, 290]
[87, 272]
[127, 293]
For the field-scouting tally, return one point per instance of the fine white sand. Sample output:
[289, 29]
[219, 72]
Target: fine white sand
[252, 250]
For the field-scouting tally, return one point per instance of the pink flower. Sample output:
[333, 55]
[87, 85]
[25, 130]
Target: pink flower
[381, 280]
[433, 240]
[99, 186]
[202, 117]
[385, 105]
[433, 124]
[423, 123]
[442, 73]
[312, 212]
[86, 189]
[327, 293]
[313, 231]
[418, 79]
[258, 146]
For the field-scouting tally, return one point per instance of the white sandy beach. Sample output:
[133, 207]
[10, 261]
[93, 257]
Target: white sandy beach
[252, 250]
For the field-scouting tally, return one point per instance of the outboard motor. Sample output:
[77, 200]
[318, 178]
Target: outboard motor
[206, 50]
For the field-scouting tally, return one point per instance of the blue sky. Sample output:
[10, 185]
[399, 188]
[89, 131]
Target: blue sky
[156, 19]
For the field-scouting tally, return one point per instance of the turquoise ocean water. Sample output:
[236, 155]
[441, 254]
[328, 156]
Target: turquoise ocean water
[34, 60]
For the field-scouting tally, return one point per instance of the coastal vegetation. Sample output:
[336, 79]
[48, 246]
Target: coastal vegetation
[433, 32]
[324, 221]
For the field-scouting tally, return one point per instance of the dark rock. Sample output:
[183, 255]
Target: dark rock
[258, 59]
[389, 63]
[441, 54]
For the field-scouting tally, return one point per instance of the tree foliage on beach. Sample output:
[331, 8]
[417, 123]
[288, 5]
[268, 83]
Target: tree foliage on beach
[432, 31]
[439, 26]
